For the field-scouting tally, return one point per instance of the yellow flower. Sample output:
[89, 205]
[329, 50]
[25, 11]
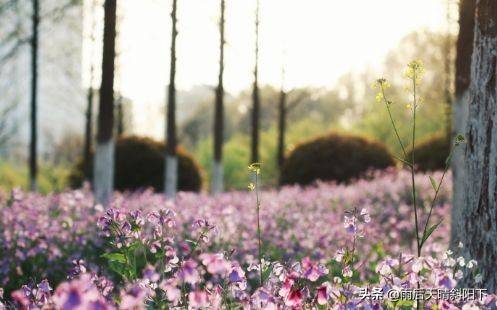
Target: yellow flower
[380, 83]
[255, 167]
[415, 71]
[379, 97]
[251, 186]
[409, 106]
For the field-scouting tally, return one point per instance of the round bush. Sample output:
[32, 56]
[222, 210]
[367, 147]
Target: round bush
[430, 153]
[335, 157]
[139, 163]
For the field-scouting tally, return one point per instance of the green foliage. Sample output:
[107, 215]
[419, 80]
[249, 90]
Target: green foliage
[334, 157]
[139, 163]
[236, 153]
[372, 120]
[431, 153]
[50, 178]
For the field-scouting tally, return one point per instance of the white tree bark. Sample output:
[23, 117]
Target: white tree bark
[460, 109]
[171, 176]
[103, 172]
[479, 213]
[217, 177]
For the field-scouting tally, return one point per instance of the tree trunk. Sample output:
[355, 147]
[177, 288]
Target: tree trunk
[460, 108]
[120, 117]
[33, 147]
[88, 132]
[447, 58]
[281, 128]
[255, 95]
[479, 213]
[217, 165]
[171, 171]
[89, 108]
[104, 152]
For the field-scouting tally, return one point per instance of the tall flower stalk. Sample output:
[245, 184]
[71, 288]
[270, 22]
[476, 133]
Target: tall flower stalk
[255, 168]
[414, 74]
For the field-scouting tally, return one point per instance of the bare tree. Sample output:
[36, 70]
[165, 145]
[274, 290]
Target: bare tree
[254, 150]
[33, 147]
[104, 152]
[120, 116]
[284, 108]
[87, 146]
[171, 171]
[217, 165]
[460, 107]
[479, 213]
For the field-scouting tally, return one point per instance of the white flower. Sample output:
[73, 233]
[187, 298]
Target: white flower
[365, 214]
[450, 262]
[460, 245]
[461, 261]
[471, 264]
[347, 272]
[385, 270]
[447, 254]
[339, 255]
[417, 265]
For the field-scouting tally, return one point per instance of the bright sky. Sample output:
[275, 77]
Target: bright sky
[318, 40]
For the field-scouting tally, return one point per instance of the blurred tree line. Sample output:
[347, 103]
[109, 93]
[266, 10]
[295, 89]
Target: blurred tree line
[348, 106]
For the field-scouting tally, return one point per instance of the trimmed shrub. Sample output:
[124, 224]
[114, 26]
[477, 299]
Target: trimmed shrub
[139, 163]
[430, 153]
[335, 157]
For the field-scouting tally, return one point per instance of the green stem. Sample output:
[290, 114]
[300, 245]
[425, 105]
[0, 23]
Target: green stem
[392, 121]
[258, 225]
[432, 204]
[412, 162]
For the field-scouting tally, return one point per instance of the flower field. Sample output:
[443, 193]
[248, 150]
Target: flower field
[320, 247]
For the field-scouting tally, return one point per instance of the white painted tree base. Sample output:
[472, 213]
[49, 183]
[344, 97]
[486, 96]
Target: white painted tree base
[103, 172]
[33, 186]
[217, 185]
[171, 177]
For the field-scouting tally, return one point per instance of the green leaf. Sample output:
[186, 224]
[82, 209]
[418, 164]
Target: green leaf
[433, 183]
[115, 257]
[402, 160]
[428, 233]
[119, 268]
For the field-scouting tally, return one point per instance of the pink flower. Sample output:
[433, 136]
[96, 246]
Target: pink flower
[134, 297]
[313, 271]
[322, 294]
[294, 298]
[173, 293]
[188, 272]
[150, 274]
[350, 224]
[198, 299]
[215, 263]
[78, 294]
